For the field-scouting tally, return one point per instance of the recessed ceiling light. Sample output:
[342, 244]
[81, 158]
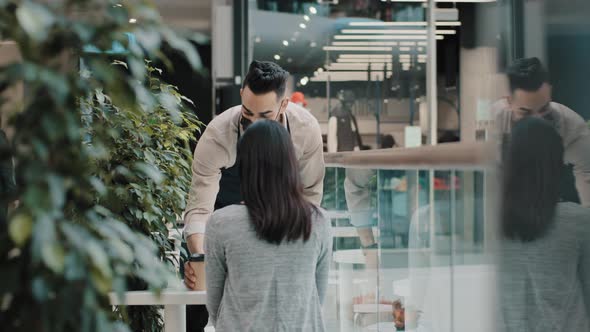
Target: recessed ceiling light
[313, 10]
[277, 57]
[362, 43]
[304, 80]
[356, 48]
[397, 31]
[302, 25]
[402, 24]
[305, 17]
[285, 42]
[384, 37]
[132, 20]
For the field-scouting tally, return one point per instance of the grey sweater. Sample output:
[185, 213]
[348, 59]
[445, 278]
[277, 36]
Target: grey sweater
[253, 285]
[545, 284]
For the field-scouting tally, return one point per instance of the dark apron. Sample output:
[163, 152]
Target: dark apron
[229, 184]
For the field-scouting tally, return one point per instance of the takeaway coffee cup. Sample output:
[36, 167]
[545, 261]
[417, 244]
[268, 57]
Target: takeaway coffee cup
[197, 263]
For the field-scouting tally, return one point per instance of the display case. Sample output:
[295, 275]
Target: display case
[413, 243]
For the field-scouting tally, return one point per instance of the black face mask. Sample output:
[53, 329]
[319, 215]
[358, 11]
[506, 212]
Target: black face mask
[245, 122]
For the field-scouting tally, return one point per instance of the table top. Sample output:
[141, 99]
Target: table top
[174, 296]
[372, 308]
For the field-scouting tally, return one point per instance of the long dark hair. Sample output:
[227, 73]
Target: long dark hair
[533, 161]
[271, 185]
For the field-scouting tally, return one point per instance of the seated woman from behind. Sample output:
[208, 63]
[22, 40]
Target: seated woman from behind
[267, 260]
[545, 249]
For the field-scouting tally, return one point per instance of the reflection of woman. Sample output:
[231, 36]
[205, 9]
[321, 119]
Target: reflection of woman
[545, 254]
[267, 260]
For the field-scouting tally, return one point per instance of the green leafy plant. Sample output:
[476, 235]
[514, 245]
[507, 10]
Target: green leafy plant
[146, 171]
[95, 187]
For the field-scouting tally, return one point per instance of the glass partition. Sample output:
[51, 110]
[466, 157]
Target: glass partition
[410, 250]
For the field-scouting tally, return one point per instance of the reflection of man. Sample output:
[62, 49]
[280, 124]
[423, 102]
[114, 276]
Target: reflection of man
[531, 96]
[215, 180]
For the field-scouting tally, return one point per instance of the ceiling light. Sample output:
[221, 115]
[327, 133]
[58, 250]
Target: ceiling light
[313, 44]
[359, 66]
[313, 10]
[305, 17]
[286, 43]
[302, 25]
[405, 49]
[360, 43]
[320, 70]
[118, 5]
[398, 31]
[132, 20]
[345, 76]
[304, 80]
[384, 37]
[463, 1]
[384, 31]
[403, 24]
[277, 57]
[350, 60]
[258, 39]
[376, 56]
[356, 48]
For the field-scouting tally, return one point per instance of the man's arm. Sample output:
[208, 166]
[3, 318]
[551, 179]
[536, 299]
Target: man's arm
[210, 156]
[311, 166]
[578, 154]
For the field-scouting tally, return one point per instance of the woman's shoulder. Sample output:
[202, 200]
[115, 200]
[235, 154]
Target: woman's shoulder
[574, 217]
[229, 214]
[321, 220]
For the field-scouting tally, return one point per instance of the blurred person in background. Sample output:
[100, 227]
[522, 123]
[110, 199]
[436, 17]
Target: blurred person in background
[298, 98]
[531, 97]
[544, 270]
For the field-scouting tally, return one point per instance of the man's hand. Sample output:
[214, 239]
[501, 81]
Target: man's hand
[190, 278]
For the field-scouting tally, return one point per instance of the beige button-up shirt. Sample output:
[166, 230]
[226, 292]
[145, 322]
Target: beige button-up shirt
[575, 135]
[217, 149]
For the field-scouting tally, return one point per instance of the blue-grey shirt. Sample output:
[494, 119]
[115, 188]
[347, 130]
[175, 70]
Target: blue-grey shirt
[253, 285]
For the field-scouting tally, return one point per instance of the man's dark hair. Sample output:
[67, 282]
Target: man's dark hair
[271, 184]
[533, 160]
[527, 74]
[264, 77]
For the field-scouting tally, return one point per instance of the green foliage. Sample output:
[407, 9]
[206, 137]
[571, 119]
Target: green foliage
[97, 176]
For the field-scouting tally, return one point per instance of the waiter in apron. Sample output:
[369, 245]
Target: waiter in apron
[215, 179]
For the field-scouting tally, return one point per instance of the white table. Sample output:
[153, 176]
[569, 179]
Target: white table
[174, 302]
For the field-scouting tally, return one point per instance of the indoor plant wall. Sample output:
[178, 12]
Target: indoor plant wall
[67, 245]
